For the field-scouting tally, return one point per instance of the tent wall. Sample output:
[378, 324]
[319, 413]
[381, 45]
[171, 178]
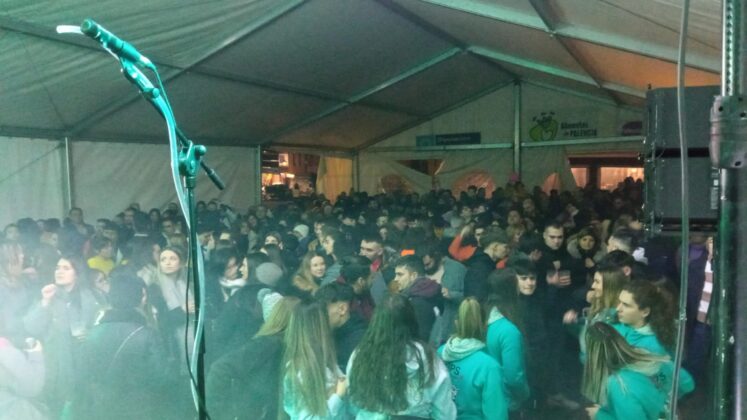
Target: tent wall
[566, 117]
[107, 177]
[32, 179]
[335, 175]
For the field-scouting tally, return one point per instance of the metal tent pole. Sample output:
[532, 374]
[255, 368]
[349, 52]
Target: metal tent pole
[727, 153]
[517, 128]
[68, 175]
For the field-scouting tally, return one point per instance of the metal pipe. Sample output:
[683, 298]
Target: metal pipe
[357, 172]
[258, 184]
[517, 127]
[730, 320]
[68, 175]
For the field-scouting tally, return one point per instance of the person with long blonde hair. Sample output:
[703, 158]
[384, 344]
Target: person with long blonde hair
[313, 385]
[309, 276]
[604, 298]
[624, 382]
[476, 376]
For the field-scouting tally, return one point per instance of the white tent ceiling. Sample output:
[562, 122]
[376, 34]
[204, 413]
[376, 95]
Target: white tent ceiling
[330, 74]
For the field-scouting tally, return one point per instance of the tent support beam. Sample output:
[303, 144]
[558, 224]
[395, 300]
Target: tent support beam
[439, 33]
[68, 165]
[42, 32]
[517, 128]
[484, 146]
[232, 40]
[545, 11]
[420, 121]
[658, 52]
[446, 55]
[544, 68]
[600, 140]
[582, 95]
[258, 173]
[357, 171]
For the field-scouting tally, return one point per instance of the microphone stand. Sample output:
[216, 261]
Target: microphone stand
[185, 163]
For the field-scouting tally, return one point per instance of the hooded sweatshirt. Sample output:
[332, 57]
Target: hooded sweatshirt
[505, 344]
[424, 294]
[638, 391]
[645, 338]
[477, 379]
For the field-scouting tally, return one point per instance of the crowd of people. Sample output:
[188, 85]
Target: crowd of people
[514, 304]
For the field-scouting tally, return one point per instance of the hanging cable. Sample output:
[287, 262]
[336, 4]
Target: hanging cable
[685, 214]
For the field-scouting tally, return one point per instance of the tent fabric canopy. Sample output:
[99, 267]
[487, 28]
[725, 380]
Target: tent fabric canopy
[330, 74]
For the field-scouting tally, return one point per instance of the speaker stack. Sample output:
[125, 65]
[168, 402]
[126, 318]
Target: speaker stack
[663, 194]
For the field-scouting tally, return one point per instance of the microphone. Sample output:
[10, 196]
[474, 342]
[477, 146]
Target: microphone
[114, 44]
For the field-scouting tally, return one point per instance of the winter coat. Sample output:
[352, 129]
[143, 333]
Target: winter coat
[244, 383]
[537, 342]
[332, 273]
[434, 402]
[479, 268]
[424, 294]
[505, 344]
[477, 378]
[453, 280]
[125, 375]
[21, 380]
[61, 327]
[239, 321]
[347, 337]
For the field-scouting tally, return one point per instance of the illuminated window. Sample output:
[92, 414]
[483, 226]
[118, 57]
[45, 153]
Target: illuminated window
[393, 183]
[581, 175]
[480, 179]
[610, 177]
[283, 160]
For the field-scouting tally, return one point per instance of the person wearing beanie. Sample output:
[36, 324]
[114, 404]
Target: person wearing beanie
[125, 375]
[302, 233]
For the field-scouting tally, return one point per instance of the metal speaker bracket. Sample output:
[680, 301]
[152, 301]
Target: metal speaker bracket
[728, 146]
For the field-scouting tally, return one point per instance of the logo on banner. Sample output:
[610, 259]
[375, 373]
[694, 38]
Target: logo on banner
[547, 128]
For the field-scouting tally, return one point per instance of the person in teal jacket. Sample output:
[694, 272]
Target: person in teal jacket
[647, 321]
[623, 382]
[475, 375]
[504, 339]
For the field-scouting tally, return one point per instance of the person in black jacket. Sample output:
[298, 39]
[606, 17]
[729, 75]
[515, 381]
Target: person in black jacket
[493, 248]
[422, 292]
[244, 383]
[125, 375]
[347, 327]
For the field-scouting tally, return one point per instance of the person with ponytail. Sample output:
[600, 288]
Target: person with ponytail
[476, 376]
[624, 382]
[393, 373]
[313, 385]
[505, 342]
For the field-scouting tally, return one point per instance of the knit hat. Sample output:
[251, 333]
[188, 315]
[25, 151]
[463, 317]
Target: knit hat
[301, 230]
[269, 273]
